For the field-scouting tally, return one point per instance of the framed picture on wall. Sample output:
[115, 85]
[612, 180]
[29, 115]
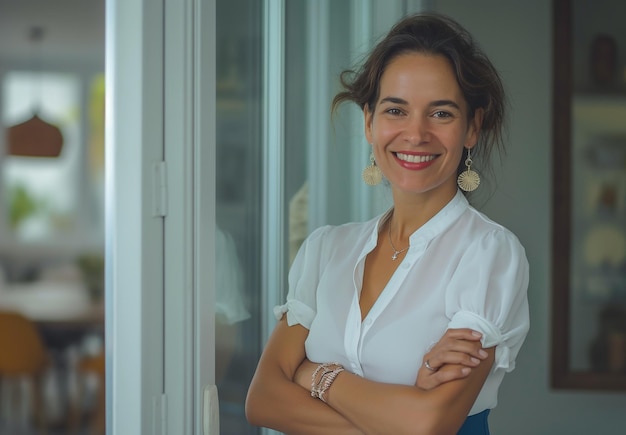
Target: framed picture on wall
[589, 196]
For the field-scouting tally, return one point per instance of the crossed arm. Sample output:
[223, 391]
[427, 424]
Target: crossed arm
[275, 401]
[279, 395]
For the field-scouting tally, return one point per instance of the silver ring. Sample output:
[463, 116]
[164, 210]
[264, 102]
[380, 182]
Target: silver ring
[427, 365]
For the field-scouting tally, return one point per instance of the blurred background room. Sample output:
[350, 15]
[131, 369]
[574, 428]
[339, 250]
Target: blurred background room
[52, 216]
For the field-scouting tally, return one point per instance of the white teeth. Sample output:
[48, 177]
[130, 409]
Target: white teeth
[414, 159]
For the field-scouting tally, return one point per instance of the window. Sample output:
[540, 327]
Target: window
[54, 199]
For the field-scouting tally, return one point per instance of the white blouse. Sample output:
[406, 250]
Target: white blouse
[462, 270]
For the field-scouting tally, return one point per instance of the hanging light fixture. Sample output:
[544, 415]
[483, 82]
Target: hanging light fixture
[34, 137]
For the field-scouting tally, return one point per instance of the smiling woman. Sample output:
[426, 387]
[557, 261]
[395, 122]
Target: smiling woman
[406, 323]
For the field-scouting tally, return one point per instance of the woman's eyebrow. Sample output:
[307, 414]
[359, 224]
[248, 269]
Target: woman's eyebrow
[436, 103]
[440, 103]
[394, 100]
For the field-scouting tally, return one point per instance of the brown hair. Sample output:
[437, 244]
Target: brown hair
[435, 34]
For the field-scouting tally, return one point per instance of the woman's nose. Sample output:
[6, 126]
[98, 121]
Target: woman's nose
[415, 131]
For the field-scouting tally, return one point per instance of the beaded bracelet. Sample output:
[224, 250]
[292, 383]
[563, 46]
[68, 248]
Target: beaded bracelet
[315, 382]
[320, 384]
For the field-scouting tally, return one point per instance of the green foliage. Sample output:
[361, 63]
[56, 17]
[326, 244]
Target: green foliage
[21, 205]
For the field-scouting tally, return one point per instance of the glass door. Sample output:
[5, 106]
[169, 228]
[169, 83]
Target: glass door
[239, 196]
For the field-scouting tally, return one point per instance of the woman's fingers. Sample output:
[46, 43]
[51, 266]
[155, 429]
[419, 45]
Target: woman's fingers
[439, 358]
[430, 380]
[454, 342]
[463, 333]
[452, 357]
[435, 361]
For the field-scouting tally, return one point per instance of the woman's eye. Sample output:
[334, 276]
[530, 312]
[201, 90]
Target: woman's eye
[394, 111]
[441, 114]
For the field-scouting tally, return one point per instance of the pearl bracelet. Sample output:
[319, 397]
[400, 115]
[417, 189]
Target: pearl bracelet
[323, 377]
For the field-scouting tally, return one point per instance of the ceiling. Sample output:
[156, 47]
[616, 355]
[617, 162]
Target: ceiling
[73, 32]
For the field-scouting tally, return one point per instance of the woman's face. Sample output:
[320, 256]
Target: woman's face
[419, 125]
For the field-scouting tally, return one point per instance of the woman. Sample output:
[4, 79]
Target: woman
[353, 350]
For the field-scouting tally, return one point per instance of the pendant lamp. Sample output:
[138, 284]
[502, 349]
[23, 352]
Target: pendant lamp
[34, 137]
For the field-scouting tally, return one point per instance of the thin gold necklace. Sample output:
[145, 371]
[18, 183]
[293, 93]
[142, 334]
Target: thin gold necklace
[395, 251]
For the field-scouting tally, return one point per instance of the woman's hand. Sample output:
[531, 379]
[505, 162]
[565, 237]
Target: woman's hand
[304, 373]
[453, 357]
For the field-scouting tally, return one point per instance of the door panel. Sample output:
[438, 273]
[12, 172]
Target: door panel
[239, 196]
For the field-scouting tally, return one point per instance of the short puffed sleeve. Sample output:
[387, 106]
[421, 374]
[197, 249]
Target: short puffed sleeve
[301, 305]
[488, 293]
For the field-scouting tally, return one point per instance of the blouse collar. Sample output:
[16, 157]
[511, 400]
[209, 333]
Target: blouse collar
[435, 225]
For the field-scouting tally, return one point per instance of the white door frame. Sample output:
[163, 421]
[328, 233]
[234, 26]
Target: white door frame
[189, 130]
[134, 229]
[204, 145]
[160, 214]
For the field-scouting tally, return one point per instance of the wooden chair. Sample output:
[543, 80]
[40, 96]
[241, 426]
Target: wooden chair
[23, 356]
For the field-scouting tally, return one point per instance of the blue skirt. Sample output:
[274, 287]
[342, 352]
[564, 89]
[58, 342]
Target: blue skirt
[476, 424]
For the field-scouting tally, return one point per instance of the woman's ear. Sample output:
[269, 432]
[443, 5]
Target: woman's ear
[368, 118]
[475, 125]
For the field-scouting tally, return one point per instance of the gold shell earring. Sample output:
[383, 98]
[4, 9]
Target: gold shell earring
[468, 180]
[372, 174]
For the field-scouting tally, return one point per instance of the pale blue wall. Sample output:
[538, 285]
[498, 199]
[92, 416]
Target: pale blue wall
[517, 36]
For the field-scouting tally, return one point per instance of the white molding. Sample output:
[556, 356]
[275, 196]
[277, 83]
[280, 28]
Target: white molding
[134, 239]
[274, 245]
[204, 145]
[317, 106]
[179, 237]
[360, 42]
